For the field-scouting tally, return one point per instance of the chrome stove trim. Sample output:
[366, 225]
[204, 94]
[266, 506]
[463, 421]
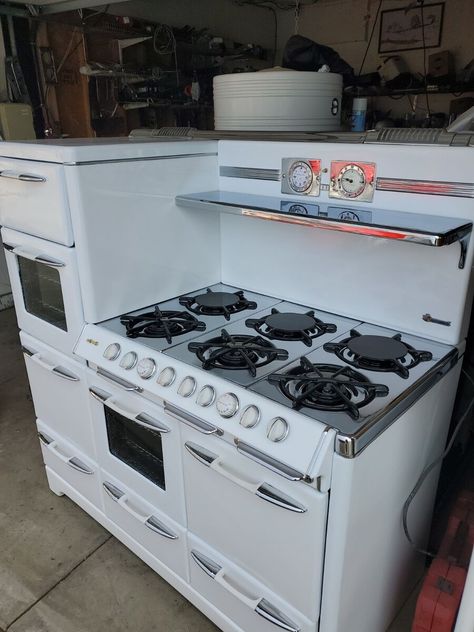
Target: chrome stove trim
[272, 464]
[250, 173]
[426, 187]
[349, 446]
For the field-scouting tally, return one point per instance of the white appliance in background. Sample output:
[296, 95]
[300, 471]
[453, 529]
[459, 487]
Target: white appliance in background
[81, 219]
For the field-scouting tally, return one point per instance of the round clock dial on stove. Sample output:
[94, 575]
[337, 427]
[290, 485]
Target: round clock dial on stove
[352, 180]
[300, 177]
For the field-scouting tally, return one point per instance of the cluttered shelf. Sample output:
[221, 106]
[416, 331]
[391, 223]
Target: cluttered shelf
[457, 89]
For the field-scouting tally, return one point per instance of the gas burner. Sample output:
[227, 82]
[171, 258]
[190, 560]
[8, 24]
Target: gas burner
[217, 303]
[327, 387]
[378, 353]
[290, 326]
[158, 324]
[236, 352]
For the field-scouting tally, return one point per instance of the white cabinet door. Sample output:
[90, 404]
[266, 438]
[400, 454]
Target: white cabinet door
[60, 393]
[271, 527]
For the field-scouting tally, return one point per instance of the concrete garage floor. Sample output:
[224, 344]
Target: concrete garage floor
[59, 570]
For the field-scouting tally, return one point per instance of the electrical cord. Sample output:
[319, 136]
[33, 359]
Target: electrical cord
[429, 469]
[371, 37]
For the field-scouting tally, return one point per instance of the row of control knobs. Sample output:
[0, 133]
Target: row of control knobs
[227, 405]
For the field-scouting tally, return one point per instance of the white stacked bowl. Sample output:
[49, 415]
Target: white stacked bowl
[278, 100]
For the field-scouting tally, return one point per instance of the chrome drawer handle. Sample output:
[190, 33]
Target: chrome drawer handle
[24, 177]
[54, 263]
[72, 461]
[191, 420]
[260, 606]
[142, 419]
[151, 522]
[128, 386]
[35, 357]
[265, 491]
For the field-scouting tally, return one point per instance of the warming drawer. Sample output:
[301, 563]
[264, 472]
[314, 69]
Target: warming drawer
[33, 200]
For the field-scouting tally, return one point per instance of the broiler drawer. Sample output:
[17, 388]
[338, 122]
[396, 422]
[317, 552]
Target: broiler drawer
[33, 200]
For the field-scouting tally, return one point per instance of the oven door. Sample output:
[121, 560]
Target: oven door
[138, 445]
[45, 288]
[272, 528]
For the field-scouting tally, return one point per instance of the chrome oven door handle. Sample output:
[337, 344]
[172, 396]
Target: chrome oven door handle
[191, 420]
[151, 522]
[127, 386]
[259, 605]
[23, 177]
[142, 419]
[265, 491]
[20, 251]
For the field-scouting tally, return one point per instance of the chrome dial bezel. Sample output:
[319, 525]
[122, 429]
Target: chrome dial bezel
[340, 180]
[129, 366]
[257, 420]
[291, 171]
[213, 396]
[171, 381]
[232, 412]
[153, 371]
[191, 379]
[270, 426]
[118, 350]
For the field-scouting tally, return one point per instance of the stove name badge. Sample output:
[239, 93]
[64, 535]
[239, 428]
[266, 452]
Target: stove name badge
[91, 341]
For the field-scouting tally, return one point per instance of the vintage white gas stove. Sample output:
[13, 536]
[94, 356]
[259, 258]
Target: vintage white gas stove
[256, 432]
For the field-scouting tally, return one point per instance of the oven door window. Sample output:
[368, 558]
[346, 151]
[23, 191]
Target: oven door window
[42, 292]
[139, 448]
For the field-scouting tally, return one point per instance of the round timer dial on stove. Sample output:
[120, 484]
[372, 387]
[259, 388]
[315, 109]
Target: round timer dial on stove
[146, 368]
[352, 181]
[227, 405]
[112, 352]
[278, 429]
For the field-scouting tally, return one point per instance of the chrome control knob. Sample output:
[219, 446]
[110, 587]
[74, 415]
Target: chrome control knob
[129, 360]
[278, 429]
[167, 376]
[187, 387]
[250, 416]
[206, 396]
[227, 405]
[112, 352]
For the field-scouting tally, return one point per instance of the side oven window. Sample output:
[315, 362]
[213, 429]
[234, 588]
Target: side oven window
[42, 292]
[139, 448]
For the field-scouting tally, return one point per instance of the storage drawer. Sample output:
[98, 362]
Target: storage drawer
[157, 533]
[70, 464]
[60, 393]
[246, 602]
[33, 200]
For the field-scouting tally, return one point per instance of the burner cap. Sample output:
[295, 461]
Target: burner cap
[289, 321]
[215, 300]
[377, 347]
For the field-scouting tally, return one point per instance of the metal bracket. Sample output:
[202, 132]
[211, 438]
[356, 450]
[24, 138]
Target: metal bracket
[463, 242]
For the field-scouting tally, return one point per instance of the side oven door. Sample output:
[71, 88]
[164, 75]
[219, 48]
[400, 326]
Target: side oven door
[272, 528]
[137, 445]
[45, 287]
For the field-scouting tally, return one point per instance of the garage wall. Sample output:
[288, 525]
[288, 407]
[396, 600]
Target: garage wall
[222, 17]
[346, 24]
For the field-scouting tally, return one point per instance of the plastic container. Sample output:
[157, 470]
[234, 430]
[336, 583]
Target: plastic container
[359, 110]
[278, 100]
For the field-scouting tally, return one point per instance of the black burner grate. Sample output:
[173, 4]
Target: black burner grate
[236, 352]
[291, 326]
[158, 324]
[327, 387]
[378, 353]
[217, 303]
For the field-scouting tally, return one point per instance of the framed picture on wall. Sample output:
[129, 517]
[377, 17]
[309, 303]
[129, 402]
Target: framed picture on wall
[402, 29]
